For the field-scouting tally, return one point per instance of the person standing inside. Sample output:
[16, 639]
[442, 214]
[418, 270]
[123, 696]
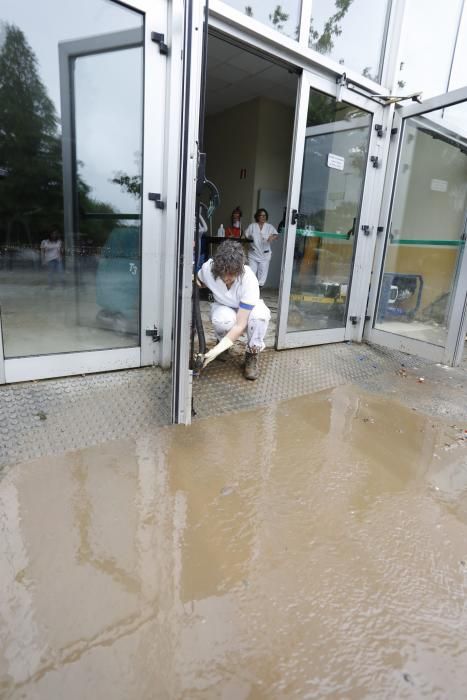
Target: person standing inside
[235, 228]
[52, 257]
[261, 235]
[237, 305]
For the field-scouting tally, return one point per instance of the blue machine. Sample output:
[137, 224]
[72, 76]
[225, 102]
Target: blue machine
[118, 280]
[400, 295]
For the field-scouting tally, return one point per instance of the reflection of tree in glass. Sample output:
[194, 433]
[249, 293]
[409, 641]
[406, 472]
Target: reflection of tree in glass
[277, 17]
[366, 72]
[31, 192]
[130, 184]
[332, 28]
[323, 109]
[324, 42]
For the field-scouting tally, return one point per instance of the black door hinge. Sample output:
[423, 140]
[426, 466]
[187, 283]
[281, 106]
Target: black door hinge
[366, 229]
[156, 198]
[154, 334]
[379, 130]
[374, 161]
[379, 230]
[354, 320]
[159, 39]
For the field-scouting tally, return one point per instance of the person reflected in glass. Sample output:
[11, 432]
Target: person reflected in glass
[52, 258]
[261, 235]
[235, 228]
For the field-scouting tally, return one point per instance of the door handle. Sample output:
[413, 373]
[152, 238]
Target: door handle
[294, 217]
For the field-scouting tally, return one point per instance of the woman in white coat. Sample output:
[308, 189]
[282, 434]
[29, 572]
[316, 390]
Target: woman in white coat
[261, 235]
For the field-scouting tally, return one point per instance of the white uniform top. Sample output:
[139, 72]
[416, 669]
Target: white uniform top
[243, 294]
[260, 247]
[51, 250]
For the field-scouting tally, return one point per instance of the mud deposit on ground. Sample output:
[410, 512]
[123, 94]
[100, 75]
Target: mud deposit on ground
[313, 549]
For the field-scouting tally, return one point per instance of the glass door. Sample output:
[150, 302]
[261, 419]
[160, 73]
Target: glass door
[422, 291]
[330, 231]
[72, 208]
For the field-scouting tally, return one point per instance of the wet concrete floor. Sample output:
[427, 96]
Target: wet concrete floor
[316, 548]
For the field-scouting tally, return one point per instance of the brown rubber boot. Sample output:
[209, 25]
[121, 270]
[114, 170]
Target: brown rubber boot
[251, 366]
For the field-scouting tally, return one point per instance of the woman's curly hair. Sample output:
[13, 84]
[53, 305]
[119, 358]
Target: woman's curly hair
[229, 258]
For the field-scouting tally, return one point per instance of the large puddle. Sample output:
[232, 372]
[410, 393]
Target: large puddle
[313, 549]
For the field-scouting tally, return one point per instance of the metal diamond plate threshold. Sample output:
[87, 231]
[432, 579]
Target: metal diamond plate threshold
[284, 375]
[50, 417]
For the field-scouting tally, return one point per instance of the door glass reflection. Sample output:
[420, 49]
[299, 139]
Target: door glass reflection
[283, 17]
[336, 147]
[70, 176]
[336, 31]
[427, 230]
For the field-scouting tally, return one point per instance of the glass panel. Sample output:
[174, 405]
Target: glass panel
[459, 66]
[70, 176]
[336, 148]
[427, 231]
[336, 31]
[284, 17]
[428, 36]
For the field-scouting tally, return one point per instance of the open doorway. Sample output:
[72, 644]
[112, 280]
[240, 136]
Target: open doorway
[248, 132]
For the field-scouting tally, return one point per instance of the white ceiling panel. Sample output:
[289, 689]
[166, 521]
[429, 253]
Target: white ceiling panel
[235, 75]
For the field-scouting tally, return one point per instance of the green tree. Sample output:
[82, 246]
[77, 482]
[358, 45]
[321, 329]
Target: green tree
[31, 187]
[324, 42]
[30, 152]
[278, 17]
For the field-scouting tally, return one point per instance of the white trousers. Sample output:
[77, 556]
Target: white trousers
[260, 267]
[223, 319]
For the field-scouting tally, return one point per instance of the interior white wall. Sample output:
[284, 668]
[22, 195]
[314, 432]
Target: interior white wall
[230, 139]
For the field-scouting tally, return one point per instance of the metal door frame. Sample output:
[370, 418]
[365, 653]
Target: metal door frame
[451, 353]
[157, 247]
[364, 244]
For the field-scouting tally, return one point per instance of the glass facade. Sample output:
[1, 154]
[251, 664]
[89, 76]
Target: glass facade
[283, 17]
[336, 148]
[336, 31]
[71, 96]
[458, 77]
[431, 46]
[427, 232]
[71, 153]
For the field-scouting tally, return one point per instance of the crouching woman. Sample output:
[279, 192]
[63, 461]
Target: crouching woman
[237, 305]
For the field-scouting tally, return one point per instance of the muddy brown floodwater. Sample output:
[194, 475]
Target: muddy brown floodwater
[313, 549]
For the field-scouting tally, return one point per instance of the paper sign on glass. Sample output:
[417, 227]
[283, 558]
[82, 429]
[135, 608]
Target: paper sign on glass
[439, 185]
[336, 162]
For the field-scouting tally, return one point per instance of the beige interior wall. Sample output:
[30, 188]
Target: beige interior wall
[230, 139]
[436, 265]
[255, 136]
[273, 148]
